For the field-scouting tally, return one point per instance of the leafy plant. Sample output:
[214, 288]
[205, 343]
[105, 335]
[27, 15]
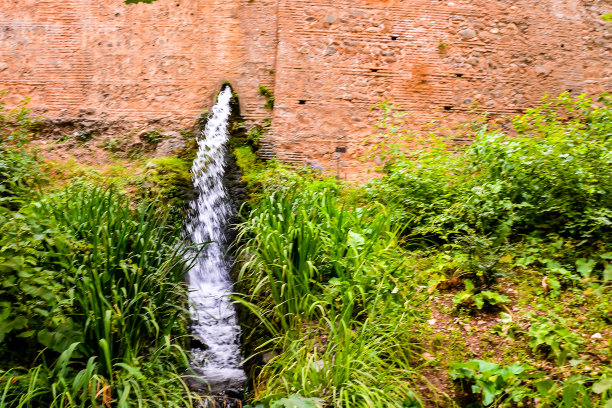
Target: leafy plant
[490, 381]
[478, 298]
[551, 336]
[95, 290]
[554, 175]
[153, 136]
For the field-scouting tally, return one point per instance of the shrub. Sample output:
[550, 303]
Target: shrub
[96, 289]
[553, 175]
[490, 381]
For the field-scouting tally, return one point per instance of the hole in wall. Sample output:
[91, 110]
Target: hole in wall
[302, 102]
[562, 45]
[394, 37]
[447, 108]
[374, 69]
[458, 75]
[569, 90]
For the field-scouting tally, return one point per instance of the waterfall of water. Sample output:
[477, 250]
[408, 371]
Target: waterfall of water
[214, 321]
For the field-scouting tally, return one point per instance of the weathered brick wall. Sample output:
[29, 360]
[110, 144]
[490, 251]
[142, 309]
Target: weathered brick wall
[327, 61]
[338, 58]
[147, 64]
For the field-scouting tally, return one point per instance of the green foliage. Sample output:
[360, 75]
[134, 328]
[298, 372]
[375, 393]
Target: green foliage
[168, 180]
[19, 169]
[607, 17]
[256, 133]
[492, 382]
[293, 401]
[267, 93]
[471, 296]
[83, 135]
[95, 288]
[551, 336]
[554, 175]
[324, 278]
[153, 136]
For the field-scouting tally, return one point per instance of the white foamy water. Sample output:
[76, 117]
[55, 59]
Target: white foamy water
[214, 320]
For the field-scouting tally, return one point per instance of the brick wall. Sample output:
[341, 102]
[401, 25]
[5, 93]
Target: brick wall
[327, 61]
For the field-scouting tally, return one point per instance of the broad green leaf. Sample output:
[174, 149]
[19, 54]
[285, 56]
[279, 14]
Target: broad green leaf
[602, 386]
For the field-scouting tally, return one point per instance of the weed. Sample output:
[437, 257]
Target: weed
[471, 296]
[490, 381]
[550, 335]
[267, 93]
[153, 136]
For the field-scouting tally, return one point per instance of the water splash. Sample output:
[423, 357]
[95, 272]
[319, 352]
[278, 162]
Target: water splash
[214, 320]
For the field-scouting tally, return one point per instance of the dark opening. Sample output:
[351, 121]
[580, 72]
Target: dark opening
[394, 37]
[458, 75]
[447, 108]
[569, 90]
[302, 102]
[562, 45]
[374, 69]
[340, 149]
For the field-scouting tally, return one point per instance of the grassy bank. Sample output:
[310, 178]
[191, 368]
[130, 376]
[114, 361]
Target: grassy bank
[93, 303]
[466, 276]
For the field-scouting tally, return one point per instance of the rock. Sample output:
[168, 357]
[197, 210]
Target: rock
[542, 70]
[597, 336]
[428, 356]
[472, 61]
[3, 66]
[512, 27]
[173, 142]
[330, 51]
[467, 34]
[431, 322]
[330, 18]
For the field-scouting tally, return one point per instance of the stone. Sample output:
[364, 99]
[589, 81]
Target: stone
[472, 61]
[330, 18]
[330, 50]
[3, 66]
[467, 34]
[542, 70]
[172, 143]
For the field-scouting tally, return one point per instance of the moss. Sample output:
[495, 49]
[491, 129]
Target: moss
[267, 93]
[168, 180]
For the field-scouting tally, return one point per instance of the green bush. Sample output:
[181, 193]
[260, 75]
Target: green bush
[553, 175]
[93, 297]
[19, 169]
[324, 277]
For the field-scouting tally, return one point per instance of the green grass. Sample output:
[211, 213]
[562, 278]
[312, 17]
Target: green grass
[93, 302]
[348, 291]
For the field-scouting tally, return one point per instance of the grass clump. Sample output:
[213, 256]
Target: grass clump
[92, 293]
[474, 275]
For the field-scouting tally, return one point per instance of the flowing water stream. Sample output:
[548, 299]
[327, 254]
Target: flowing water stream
[215, 326]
